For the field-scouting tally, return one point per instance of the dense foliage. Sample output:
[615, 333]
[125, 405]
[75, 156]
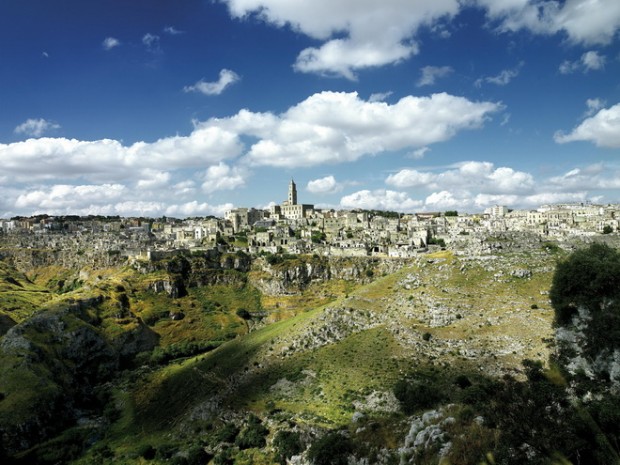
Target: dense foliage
[331, 449]
[590, 280]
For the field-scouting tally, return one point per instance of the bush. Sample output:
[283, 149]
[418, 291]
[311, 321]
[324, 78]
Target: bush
[590, 279]
[227, 433]
[162, 355]
[147, 452]
[331, 449]
[287, 444]
[416, 395]
[253, 435]
[244, 314]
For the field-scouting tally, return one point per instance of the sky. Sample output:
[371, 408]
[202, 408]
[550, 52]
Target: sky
[190, 108]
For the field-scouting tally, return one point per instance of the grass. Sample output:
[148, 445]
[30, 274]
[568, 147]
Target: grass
[324, 382]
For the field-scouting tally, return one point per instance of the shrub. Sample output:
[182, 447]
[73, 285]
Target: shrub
[253, 435]
[332, 449]
[287, 444]
[244, 314]
[416, 395]
[147, 452]
[227, 433]
[590, 279]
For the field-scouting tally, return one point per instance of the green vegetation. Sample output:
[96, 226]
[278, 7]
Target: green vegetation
[331, 449]
[222, 373]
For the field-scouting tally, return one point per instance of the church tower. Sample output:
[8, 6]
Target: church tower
[292, 193]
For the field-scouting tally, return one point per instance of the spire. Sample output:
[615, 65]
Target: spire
[292, 193]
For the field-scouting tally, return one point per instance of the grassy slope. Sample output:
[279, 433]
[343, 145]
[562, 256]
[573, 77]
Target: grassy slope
[493, 328]
[20, 298]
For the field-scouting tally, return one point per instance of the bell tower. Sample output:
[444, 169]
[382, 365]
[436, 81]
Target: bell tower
[292, 193]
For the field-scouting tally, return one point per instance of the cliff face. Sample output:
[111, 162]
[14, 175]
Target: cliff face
[50, 364]
[292, 276]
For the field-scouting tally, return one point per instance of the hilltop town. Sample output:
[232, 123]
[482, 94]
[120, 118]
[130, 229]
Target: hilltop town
[296, 228]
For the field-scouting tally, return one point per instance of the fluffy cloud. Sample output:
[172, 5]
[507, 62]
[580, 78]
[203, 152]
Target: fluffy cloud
[603, 129]
[227, 78]
[473, 175]
[336, 127]
[583, 21]
[361, 34]
[501, 79]
[66, 198]
[173, 31]
[474, 186]
[36, 127]
[369, 33]
[430, 74]
[594, 105]
[222, 177]
[151, 41]
[589, 61]
[380, 199]
[195, 208]
[326, 185]
[110, 42]
[379, 96]
[153, 179]
[106, 160]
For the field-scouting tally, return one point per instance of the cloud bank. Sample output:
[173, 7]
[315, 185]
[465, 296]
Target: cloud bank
[359, 34]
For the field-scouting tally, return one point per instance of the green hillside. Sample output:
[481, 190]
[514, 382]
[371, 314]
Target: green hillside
[244, 377]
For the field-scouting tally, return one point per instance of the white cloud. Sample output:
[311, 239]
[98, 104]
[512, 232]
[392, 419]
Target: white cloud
[474, 186]
[227, 78]
[173, 31]
[592, 177]
[380, 199]
[501, 79]
[357, 34]
[379, 96]
[222, 177]
[326, 185]
[594, 105]
[185, 188]
[589, 61]
[583, 21]
[36, 127]
[108, 160]
[445, 200]
[110, 42]
[472, 175]
[418, 154]
[153, 179]
[65, 198]
[430, 74]
[603, 129]
[151, 41]
[593, 61]
[195, 208]
[336, 127]
[410, 178]
[569, 67]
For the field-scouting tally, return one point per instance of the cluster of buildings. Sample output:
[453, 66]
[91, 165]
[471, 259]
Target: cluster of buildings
[292, 227]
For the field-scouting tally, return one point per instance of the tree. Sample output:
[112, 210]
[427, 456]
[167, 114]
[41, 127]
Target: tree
[589, 279]
[607, 229]
[331, 449]
[287, 444]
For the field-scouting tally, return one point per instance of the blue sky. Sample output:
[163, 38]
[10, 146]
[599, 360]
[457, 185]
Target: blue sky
[188, 108]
